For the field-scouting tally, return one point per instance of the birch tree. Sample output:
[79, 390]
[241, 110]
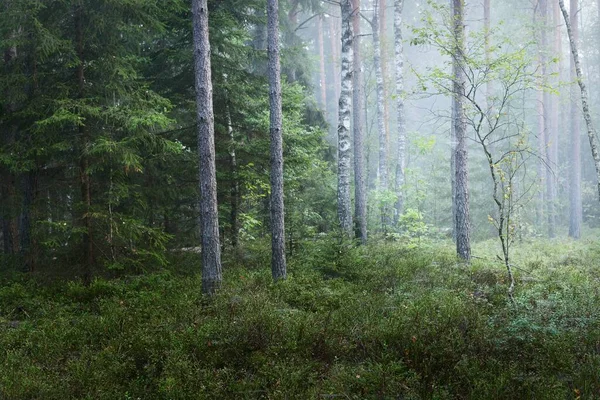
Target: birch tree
[591, 133]
[209, 218]
[278, 263]
[400, 114]
[344, 116]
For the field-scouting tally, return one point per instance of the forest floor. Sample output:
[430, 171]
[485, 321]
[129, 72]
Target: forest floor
[377, 322]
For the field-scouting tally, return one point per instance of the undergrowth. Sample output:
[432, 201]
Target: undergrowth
[375, 322]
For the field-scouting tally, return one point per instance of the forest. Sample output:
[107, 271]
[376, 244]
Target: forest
[299, 199]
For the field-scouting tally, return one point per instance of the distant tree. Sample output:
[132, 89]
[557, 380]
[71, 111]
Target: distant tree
[400, 113]
[278, 263]
[360, 189]
[576, 73]
[209, 223]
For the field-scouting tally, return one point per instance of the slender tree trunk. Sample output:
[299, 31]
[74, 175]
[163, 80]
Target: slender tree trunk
[486, 27]
[322, 75]
[573, 39]
[551, 123]
[463, 225]
[360, 190]
[234, 189]
[345, 110]
[401, 117]
[209, 217]
[278, 264]
[84, 163]
[576, 212]
[335, 56]
[384, 69]
[383, 175]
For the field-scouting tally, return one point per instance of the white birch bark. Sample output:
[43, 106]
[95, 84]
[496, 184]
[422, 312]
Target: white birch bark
[401, 117]
[344, 114]
[383, 173]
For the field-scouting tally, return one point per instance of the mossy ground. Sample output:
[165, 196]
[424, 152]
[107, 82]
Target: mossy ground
[375, 322]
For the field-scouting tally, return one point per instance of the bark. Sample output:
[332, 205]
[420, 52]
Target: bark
[344, 117]
[278, 263]
[209, 218]
[335, 52]
[383, 175]
[463, 225]
[360, 190]
[29, 197]
[576, 213]
[84, 164]
[400, 114]
[322, 75]
[9, 193]
[486, 27]
[234, 189]
[384, 70]
[551, 102]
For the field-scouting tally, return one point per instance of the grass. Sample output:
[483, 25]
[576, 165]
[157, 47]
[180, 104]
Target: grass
[375, 322]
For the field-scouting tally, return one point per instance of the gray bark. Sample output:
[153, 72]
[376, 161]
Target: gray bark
[383, 173]
[401, 117]
[463, 225]
[360, 190]
[322, 76]
[278, 262]
[575, 218]
[345, 109]
[209, 217]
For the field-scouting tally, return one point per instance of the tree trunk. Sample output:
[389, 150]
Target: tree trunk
[383, 176]
[486, 27]
[576, 213]
[84, 164]
[278, 264]
[384, 70]
[234, 189]
[322, 75]
[463, 225]
[551, 120]
[401, 117]
[360, 190]
[209, 217]
[345, 109]
[335, 51]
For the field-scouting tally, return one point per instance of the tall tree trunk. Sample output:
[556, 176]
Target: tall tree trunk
[345, 109]
[381, 125]
[322, 75]
[573, 39]
[335, 56]
[401, 117]
[384, 69]
[551, 121]
[576, 213]
[278, 264]
[84, 164]
[209, 217]
[234, 189]
[9, 192]
[30, 189]
[486, 27]
[360, 190]
[463, 225]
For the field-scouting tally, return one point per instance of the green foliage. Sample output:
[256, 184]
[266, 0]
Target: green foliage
[376, 321]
